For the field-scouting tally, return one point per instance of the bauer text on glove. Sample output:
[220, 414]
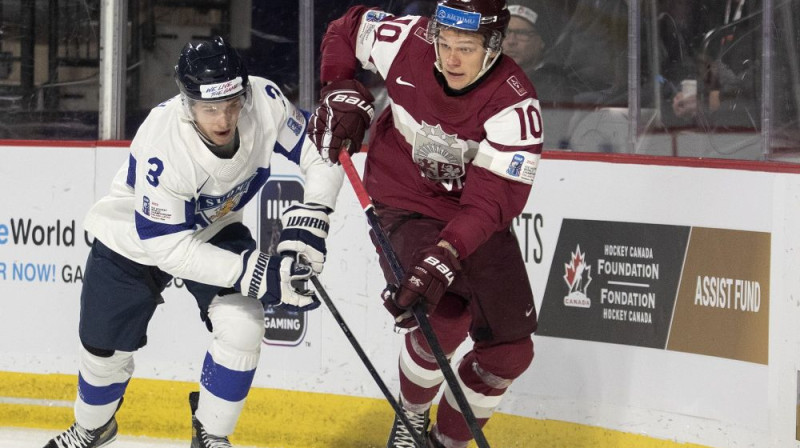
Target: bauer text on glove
[430, 274]
[342, 118]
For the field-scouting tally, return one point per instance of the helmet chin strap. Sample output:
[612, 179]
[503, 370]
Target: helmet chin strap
[188, 115]
[438, 63]
[202, 134]
[225, 151]
[486, 64]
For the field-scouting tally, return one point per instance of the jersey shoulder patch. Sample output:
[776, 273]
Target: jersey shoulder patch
[374, 15]
[518, 87]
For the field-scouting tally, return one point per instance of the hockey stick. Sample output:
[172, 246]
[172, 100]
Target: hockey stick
[418, 309]
[340, 320]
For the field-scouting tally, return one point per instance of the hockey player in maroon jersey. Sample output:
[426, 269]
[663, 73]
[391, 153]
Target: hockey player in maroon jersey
[450, 165]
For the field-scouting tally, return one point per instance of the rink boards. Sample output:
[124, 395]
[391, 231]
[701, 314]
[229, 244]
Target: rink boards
[667, 295]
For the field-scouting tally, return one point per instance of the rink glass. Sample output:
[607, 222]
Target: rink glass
[621, 101]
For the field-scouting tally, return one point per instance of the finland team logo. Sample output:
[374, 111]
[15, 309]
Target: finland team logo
[212, 208]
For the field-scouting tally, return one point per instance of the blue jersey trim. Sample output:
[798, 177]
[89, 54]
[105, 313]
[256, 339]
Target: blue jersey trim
[131, 178]
[294, 153]
[147, 229]
[258, 182]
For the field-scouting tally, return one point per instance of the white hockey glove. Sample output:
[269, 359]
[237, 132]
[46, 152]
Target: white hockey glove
[272, 280]
[305, 227]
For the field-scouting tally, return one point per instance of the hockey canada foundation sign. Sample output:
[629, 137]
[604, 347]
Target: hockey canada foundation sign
[696, 290]
[281, 327]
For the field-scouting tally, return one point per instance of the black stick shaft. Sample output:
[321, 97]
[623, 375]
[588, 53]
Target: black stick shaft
[367, 363]
[418, 309]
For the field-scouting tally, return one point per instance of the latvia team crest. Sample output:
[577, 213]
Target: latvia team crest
[440, 156]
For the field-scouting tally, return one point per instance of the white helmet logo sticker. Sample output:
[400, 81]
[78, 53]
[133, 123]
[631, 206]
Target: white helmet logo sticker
[222, 89]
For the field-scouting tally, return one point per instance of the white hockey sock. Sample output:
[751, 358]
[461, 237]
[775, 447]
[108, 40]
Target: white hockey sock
[101, 385]
[231, 361]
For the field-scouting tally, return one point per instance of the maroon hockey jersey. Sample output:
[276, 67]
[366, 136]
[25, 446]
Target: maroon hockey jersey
[467, 158]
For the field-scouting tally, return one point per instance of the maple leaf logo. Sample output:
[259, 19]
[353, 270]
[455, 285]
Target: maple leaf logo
[577, 273]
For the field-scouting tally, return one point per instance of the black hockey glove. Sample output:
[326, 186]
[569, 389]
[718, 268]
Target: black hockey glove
[341, 119]
[305, 227]
[272, 280]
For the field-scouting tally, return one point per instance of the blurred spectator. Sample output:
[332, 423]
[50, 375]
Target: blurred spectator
[523, 43]
[534, 24]
[587, 63]
[716, 46]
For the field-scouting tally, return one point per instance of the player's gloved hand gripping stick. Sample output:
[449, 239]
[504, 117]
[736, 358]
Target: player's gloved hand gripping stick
[419, 308]
[273, 280]
[341, 119]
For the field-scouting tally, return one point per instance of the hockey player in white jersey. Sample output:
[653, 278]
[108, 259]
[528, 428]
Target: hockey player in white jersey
[175, 210]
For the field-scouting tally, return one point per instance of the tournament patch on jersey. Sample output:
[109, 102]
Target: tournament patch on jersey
[375, 16]
[295, 127]
[522, 167]
[154, 211]
[222, 89]
[517, 166]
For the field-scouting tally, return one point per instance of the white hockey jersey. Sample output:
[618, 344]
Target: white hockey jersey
[173, 194]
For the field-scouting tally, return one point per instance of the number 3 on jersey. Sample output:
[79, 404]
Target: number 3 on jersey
[156, 170]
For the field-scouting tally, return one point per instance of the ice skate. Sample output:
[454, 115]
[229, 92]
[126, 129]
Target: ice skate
[400, 437]
[200, 438]
[79, 437]
[432, 442]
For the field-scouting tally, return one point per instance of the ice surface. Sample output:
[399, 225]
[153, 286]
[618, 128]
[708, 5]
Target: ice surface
[37, 438]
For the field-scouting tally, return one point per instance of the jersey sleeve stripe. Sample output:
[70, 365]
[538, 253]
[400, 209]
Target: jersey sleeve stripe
[147, 229]
[131, 177]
